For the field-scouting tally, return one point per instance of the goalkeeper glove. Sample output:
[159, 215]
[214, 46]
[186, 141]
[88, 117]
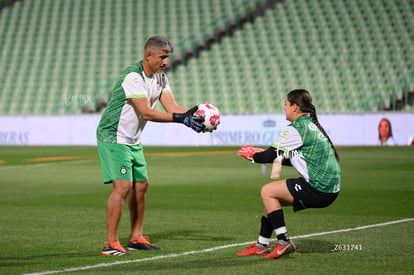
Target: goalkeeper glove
[248, 152]
[190, 120]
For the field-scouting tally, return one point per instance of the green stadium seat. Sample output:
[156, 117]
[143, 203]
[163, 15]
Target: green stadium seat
[343, 53]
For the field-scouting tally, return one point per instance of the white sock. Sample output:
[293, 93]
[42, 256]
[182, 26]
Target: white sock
[263, 240]
[282, 240]
[280, 230]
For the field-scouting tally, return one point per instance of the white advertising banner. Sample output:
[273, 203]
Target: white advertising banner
[344, 129]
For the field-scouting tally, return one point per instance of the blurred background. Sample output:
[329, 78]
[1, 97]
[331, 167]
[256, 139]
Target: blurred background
[63, 56]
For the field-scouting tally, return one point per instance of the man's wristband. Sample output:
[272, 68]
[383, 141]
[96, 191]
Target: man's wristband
[178, 117]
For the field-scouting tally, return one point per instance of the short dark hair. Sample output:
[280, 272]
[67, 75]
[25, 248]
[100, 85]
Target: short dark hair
[158, 42]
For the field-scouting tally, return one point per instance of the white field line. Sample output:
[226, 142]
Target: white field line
[169, 256]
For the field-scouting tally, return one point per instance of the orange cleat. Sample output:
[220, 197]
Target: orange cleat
[142, 243]
[254, 250]
[281, 250]
[114, 248]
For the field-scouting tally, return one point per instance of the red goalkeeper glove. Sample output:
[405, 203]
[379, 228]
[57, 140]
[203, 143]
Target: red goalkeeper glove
[248, 151]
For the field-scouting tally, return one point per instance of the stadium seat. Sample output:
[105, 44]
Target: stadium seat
[344, 54]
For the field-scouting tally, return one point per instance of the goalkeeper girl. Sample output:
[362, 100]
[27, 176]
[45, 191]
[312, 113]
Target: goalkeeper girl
[305, 145]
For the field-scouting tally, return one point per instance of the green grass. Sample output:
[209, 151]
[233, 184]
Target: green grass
[53, 214]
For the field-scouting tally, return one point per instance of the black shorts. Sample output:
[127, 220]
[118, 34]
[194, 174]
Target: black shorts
[305, 196]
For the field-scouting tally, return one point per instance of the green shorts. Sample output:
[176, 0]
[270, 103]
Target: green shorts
[122, 162]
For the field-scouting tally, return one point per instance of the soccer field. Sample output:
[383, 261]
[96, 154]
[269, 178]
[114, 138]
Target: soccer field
[203, 206]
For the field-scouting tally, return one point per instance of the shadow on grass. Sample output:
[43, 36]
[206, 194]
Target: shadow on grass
[209, 261]
[189, 235]
[314, 246]
[205, 265]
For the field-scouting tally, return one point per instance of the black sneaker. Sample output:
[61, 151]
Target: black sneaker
[142, 243]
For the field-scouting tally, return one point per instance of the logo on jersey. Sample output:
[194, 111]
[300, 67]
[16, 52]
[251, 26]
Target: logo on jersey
[312, 127]
[322, 137]
[298, 187]
[286, 153]
[123, 170]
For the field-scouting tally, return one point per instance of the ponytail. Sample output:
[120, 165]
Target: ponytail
[303, 99]
[312, 113]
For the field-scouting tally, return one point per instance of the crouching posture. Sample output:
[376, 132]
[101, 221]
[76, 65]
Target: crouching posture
[304, 145]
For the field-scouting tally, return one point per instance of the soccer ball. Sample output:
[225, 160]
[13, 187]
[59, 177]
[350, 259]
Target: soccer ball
[211, 116]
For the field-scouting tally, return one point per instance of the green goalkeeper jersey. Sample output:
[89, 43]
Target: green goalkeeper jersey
[120, 123]
[311, 154]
